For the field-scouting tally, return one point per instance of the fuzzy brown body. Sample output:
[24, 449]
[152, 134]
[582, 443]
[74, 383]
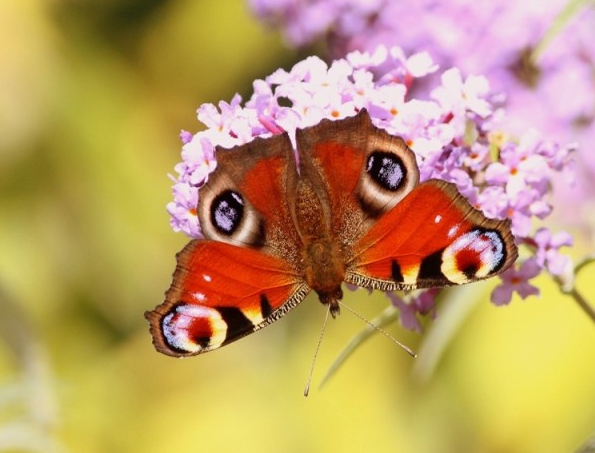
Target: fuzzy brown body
[322, 256]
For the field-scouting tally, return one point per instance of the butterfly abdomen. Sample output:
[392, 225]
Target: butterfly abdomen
[322, 258]
[324, 271]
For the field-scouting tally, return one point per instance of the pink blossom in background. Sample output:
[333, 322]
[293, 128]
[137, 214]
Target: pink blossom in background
[451, 133]
[422, 303]
[517, 280]
[553, 92]
[548, 250]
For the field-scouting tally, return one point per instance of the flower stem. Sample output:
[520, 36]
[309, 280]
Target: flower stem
[583, 303]
[569, 287]
[571, 9]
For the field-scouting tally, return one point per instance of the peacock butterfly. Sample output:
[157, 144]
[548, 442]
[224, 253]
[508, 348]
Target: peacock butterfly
[348, 208]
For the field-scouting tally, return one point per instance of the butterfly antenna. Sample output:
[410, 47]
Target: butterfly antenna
[307, 388]
[381, 330]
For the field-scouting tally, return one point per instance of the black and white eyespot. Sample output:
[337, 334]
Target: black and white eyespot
[388, 175]
[227, 212]
[386, 169]
[225, 215]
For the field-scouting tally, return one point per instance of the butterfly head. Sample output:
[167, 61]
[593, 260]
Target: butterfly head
[332, 299]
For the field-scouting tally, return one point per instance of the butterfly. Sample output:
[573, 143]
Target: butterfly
[347, 207]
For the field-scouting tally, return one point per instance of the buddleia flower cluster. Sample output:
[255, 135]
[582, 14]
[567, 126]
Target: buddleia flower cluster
[453, 132]
[533, 52]
[539, 56]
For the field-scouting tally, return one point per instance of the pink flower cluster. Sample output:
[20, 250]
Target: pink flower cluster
[539, 55]
[452, 133]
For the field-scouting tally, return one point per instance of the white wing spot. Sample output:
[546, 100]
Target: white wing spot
[199, 297]
[207, 278]
[453, 230]
[438, 218]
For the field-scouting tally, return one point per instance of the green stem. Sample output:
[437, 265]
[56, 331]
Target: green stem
[561, 20]
[568, 286]
[584, 262]
[583, 303]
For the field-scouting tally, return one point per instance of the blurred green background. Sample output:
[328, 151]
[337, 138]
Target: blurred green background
[92, 98]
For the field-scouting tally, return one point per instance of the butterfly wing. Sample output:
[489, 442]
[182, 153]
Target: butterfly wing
[221, 293]
[247, 273]
[433, 237]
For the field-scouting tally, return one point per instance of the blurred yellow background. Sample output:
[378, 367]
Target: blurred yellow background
[92, 98]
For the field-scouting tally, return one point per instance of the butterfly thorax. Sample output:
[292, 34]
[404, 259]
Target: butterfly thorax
[322, 257]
